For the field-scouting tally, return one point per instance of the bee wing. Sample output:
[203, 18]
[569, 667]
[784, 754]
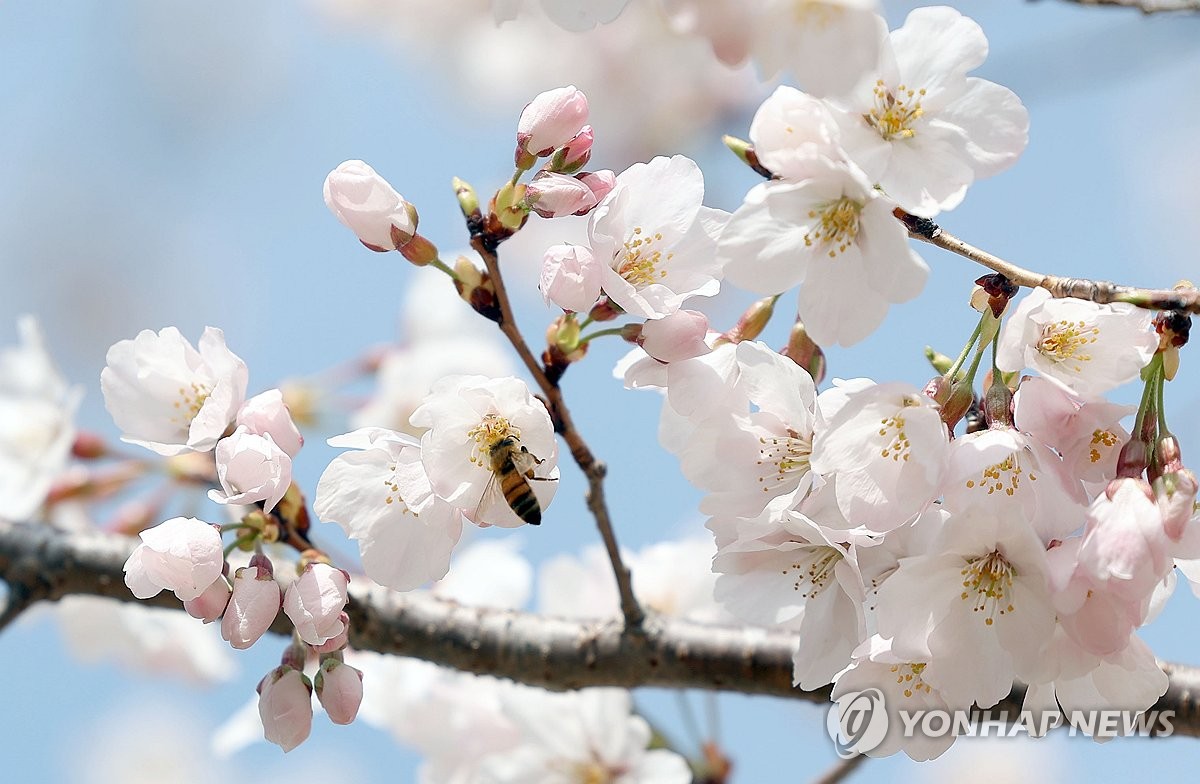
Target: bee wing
[488, 498]
[525, 462]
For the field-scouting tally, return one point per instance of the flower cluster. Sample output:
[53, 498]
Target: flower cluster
[945, 568]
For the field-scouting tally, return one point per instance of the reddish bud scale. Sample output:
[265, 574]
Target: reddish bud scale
[417, 249]
[604, 310]
[1173, 327]
[1000, 291]
[804, 352]
[962, 395]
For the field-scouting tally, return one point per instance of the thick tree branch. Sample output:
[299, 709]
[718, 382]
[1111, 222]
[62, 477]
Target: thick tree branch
[1098, 291]
[1146, 6]
[592, 468]
[536, 650]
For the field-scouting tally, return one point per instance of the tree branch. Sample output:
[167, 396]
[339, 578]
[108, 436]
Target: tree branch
[1099, 291]
[1146, 6]
[592, 468]
[536, 650]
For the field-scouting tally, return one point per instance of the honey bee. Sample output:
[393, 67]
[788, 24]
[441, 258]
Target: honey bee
[512, 468]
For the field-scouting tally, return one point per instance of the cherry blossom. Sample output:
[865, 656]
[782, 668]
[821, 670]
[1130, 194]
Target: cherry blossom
[253, 605]
[1090, 348]
[210, 605]
[37, 411]
[167, 396]
[251, 468]
[570, 278]
[977, 604]
[922, 129]
[656, 240]
[551, 120]
[381, 497]
[886, 448]
[588, 735]
[680, 335]
[182, 555]
[267, 414]
[837, 237]
[339, 689]
[369, 206]
[472, 420]
[314, 603]
[285, 706]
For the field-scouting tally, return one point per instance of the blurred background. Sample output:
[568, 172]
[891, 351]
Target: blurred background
[163, 166]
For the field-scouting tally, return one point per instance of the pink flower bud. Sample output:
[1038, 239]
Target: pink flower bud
[578, 151]
[551, 120]
[571, 277]
[599, 182]
[370, 207]
[675, 337]
[340, 690]
[339, 641]
[1176, 494]
[267, 414]
[253, 605]
[251, 468]
[285, 707]
[557, 195]
[314, 602]
[209, 605]
[183, 555]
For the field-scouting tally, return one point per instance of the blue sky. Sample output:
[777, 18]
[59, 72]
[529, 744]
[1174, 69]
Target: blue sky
[164, 163]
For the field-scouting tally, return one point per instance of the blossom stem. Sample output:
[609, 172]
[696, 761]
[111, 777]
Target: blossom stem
[601, 333]
[1159, 402]
[1152, 374]
[441, 265]
[240, 541]
[592, 468]
[962, 357]
[1102, 292]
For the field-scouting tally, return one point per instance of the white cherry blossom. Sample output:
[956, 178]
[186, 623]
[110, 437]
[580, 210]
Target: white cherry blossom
[1013, 472]
[37, 411]
[977, 604]
[922, 129]
[478, 429]
[314, 602]
[267, 414]
[886, 448]
[835, 236]
[1090, 348]
[369, 206]
[167, 396]
[182, 555]
[251, 468]
[380, 495]
[656, 241]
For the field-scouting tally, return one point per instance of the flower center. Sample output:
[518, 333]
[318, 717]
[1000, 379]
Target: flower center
[1102, 441]
[835, 226]
[191, 400]
[1003, 476]
[591, 772]
[789, 456]
[909, 676]
[990, 578]
[895, 440]
[895, 111]
[639, 264]
[490, 431]
[813, 568]
[814, 13]
[1064, 341]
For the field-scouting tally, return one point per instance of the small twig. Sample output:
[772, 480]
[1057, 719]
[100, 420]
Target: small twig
[592, 468]
[1146, 6]
[840, 770]
[1101, 292]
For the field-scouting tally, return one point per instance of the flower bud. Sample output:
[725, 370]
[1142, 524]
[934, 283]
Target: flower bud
[575, 155]
[253, 605]
[1168, 454]
[962, 395]
[563, 334]
[210, 605]
[89, 446]
[570, 277]
[339, 641]
[370, 207]
[600, 182]
[804, 352]
[605, 310]
[183, 555]
[251, 468]
[285, 707]
[468, 200]
[1176, 496]
[553, 195]
[267, 414]
[551, 120]
[997, 404]
[752, 322]
[418, 250]
[476, 289]
[315, 601]
[675, 337]
[941, 363]
[508, 208]
[745, 151]
[1133, 458]
[339, 688]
